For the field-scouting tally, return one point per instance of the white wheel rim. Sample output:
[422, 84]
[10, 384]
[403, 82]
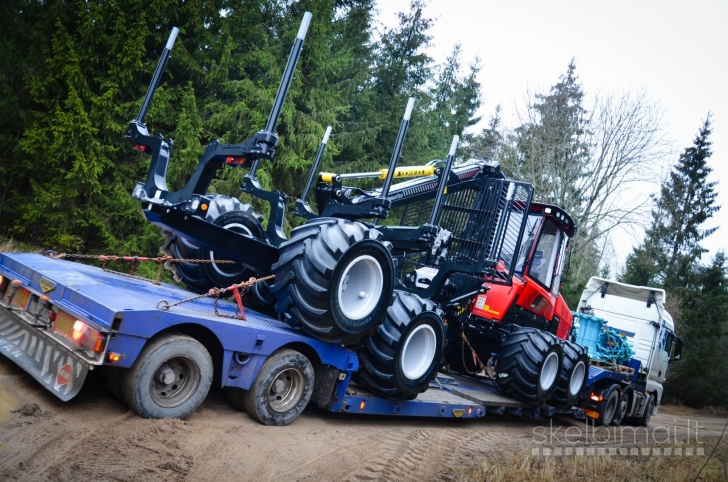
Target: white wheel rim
[360, 287]
[577, 379]
[238, 228]
[418, 352]
[549, 371]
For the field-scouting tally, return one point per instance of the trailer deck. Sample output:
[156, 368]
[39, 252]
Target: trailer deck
[128, 311]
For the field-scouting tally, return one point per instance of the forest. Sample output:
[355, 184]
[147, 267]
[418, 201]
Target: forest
[73, 73]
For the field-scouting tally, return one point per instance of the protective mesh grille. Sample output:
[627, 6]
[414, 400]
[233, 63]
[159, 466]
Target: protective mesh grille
[486, 223]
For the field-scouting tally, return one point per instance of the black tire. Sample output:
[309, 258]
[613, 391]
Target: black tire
[644, 420]
[281, 390]
[259, 298]
[235, 397]
[404, 353]
[573, 377]
[607, 408]
[170, 378]
[113, 381]
[312, 276]
[622, 407]
[200, 277]
[529, 364]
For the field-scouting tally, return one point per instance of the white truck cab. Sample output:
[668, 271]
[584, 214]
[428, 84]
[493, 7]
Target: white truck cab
[639, 313]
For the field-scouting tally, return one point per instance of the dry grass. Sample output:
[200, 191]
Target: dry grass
[693, 412]
[604, 468]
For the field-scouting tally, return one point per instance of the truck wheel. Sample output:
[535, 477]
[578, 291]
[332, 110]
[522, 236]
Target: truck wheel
[607, 408]
[403, 355]
[113, 381]
[281, 390]
[235, 397]
[334, 279]
[223, 211]
[573, 378]
[528, 365]
[622, 407]
[170, 378]
[644, 420]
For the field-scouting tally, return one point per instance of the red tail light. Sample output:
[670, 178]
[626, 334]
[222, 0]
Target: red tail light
[87, 337]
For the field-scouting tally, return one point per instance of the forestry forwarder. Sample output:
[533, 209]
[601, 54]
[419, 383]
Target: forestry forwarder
[473, 261]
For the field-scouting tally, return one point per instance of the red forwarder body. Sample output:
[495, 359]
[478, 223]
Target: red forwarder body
[533, 298]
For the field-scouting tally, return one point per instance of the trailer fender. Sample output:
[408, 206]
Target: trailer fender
[128, 346]
[240, 369]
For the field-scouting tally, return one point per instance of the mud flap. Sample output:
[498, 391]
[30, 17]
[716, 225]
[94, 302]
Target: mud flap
[54, 366]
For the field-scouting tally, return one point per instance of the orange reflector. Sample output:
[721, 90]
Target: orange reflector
[591, 413]
[470, 411]
[20, 298]
[362, 404]
[45, 298]
[204, 207]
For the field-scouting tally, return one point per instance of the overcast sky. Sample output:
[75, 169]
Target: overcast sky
[676, 51]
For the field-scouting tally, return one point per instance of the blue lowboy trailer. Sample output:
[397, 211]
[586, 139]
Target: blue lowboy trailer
[59, 319]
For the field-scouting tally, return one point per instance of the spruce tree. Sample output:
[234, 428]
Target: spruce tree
[687, 200]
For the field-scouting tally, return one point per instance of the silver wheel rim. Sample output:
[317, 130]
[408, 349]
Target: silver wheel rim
[577, 378]
[418, 352]
[360, 287]
[285, 390]
[237, 228]
[549, 371]
[174, 381]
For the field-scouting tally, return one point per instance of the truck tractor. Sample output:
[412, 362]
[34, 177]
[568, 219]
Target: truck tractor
[638, 313]
[465, 256]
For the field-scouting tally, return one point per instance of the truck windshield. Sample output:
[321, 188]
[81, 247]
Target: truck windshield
[546, 253]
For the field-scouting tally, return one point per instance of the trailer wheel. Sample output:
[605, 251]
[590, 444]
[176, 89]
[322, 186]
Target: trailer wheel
[573, 377]
[334, 279]
[281, 390]
[403, 355]
[223, 211]
[235, 397]
[113, 381]
[170, 378]
[607, 408]
[644, 420]
[529, 364]
[622, 407]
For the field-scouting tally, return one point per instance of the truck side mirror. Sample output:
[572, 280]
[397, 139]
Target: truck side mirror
[677, 353]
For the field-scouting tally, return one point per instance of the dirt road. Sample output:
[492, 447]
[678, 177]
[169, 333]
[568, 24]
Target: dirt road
[95, 437]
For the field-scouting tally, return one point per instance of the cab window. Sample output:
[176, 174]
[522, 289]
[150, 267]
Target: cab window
[527, 241]
[546, 254]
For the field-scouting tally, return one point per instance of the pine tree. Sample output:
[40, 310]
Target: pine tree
[454, 100]
[686, 201]
[699, 378]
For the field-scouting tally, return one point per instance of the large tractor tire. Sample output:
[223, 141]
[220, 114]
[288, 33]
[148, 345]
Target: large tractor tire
[223, 211]
[574, 375]
[334, 279]
[402, 356]
[529, 364]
